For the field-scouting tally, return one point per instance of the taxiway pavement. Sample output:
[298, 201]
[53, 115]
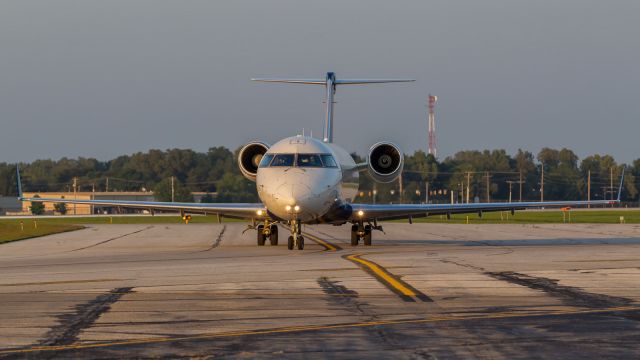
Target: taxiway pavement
[421, 291]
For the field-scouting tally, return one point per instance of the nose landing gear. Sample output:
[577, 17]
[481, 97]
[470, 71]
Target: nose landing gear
[361, 232]
[295, 240]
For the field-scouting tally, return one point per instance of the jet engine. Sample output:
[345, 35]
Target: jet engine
[249, 158]
[385, 162]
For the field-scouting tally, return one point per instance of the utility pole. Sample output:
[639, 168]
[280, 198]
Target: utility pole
[542, 183]
[520, 181]
[611, 182]
[107, 187]
[488, 190]
[510, 183]
[426, 191]
[173, 191]
[468, 181]
[589, 188]
[400, 186]
[75, 193]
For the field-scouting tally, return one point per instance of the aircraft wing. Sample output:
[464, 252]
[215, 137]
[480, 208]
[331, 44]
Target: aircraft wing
[405, 211]
[242, 211]
[370, 212]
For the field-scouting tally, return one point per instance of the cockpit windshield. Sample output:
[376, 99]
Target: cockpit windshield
[298, 160]
[283, 160]
[309, 160]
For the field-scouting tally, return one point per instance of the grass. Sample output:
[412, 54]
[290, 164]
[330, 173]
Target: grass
[611, 216]
[11, 230]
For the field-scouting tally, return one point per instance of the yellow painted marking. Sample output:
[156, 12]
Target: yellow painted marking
[383, 274]
[292, 329]
[327, 245]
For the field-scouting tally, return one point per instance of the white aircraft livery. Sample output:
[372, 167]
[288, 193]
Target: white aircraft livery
[304, 180]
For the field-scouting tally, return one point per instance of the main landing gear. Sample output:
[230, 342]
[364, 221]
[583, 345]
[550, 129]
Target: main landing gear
[269, 231]
[361, 232]
[295, 240]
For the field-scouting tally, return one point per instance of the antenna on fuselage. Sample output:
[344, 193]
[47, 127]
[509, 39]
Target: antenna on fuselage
[330, 82]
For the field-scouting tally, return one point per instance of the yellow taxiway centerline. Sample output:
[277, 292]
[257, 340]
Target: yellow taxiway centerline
[323, 243]
[383, 274]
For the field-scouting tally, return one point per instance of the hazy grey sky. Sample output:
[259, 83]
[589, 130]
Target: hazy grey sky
[105, 78]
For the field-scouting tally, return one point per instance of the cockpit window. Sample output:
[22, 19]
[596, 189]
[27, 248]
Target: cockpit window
[265, 160]
[309, 160]
[328, 161]
[283, 160]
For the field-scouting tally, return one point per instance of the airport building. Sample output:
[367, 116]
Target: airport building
[9, 205]
[81, 209]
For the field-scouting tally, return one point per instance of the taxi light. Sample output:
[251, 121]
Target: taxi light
[296, 208]
[259, 212]
[288, 207]
[360, 213]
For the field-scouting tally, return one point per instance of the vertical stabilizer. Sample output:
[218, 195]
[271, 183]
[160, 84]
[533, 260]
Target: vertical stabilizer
[330, 82]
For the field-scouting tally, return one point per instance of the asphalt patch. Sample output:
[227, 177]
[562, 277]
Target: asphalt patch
[66, 333]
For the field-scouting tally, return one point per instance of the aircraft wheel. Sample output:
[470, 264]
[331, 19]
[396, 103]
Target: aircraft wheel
[300, 243]
[367, 235]
[354, 238]
[290, 243]
[261, 237]
[273, 238]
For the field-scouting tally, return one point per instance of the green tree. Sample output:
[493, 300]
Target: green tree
[37, 207]
[60, 207]
[207, 198]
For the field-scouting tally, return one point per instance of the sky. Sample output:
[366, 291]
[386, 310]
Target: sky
[106, 78]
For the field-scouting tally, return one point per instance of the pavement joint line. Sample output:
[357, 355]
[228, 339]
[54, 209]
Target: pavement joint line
[388, 279]
[302, 328]
[327, 245]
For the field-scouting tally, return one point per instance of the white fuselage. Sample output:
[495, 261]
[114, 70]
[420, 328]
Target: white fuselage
[297, 188]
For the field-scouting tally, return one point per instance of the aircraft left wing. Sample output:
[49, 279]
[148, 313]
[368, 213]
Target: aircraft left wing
[405, 211]
[370, 212]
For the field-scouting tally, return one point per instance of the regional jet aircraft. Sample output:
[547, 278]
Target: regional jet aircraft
[304, 180]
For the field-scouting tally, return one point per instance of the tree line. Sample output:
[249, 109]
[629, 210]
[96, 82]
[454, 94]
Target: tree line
[492, 175]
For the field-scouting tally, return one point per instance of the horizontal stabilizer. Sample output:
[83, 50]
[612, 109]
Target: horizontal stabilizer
[336, 82]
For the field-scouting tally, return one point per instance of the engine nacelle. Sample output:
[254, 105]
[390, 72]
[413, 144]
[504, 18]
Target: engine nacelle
[385, 162]
[249, 158]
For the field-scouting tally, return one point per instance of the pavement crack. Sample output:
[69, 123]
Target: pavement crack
[66, 333]
[448, 261]
[218, 239]
[114, 238]
[569, 295]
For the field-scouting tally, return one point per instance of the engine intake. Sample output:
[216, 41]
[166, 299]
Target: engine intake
[249, 158]
[385, 162]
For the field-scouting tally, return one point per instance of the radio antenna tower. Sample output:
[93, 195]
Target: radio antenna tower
[432, 124]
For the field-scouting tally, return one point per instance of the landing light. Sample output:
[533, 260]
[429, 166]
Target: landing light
[296, 208]
[360, 213]
[259, 212]
[288, 207]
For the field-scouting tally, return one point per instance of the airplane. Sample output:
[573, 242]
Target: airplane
[304, 180]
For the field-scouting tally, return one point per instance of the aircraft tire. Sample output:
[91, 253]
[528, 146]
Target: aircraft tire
[354, 238]
[290, 243]
[261, 237]
[367, 235]
[300, 243]
[273, 238]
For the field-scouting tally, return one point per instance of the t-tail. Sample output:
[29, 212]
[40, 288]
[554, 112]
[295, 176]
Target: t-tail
[330, 82]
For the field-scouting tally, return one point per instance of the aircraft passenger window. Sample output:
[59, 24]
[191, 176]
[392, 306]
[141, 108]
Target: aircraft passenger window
[309, 160]
[328, 161]
[283, 160]
[265, 160]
